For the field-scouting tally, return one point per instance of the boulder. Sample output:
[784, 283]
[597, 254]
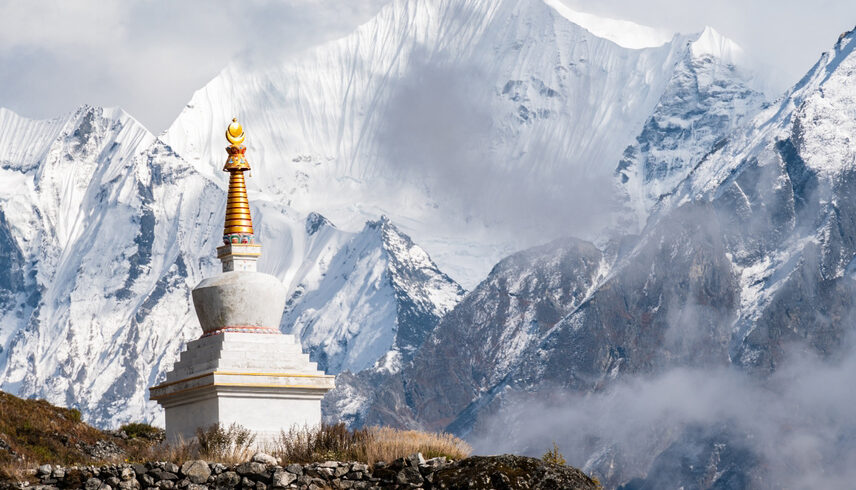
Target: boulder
[227, 479]
[197, 471]
[251, 468]
[409, 476]
[283, 478]
[266, 459]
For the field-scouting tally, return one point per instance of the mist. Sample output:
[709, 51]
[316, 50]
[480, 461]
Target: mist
[798, 423]
[439, 131]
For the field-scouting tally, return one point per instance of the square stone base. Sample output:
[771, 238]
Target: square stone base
[263, 382]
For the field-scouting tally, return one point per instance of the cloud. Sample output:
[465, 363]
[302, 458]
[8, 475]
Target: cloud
[149, 56]
[798, 422]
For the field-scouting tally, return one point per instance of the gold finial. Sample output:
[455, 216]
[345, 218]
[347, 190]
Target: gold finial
[236, 160]
[235, 133]
[238, 227]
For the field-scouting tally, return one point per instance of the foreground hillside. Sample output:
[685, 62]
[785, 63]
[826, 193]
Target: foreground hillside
[33, 431]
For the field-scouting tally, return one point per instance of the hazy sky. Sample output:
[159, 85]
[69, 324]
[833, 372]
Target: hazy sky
[149, 56]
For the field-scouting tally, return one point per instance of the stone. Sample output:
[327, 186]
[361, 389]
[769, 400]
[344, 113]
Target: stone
[129, 485]
[147, 480]
[500, 481]
[58, 472]
[329, 464]
[45, 470]
[218, 468]
[415, 460]
[362, 467]
[251, 468]
[266, 459]
[197, 471]
[194, 486]
[160, 474]
[283, 478]
[227, 479]
[126, 473]
[139, 469]
[166, 484]
[294, 468]
[113, 481]
[247, 483]
[409, 475]
[171, 467]
[261, 486]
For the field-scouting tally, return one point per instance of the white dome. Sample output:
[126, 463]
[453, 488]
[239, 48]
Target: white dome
[239, 299]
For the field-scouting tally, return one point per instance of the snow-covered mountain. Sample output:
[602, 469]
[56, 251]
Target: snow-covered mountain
[101, 261]
[708, 97]
[372, 300]
[106, 231]
[436, 111]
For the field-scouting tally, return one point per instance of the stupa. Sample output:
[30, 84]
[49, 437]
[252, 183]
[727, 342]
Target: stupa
[242, 369]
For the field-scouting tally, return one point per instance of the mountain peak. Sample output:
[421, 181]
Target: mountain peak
[624, 33]
[710, 42]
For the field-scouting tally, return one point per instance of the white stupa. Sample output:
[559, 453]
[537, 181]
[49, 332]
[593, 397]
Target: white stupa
[243, 369]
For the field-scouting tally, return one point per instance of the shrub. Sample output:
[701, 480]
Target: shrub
[145, 431]
[74, 415]
[553, 456]
[327, 442]
[227, 444]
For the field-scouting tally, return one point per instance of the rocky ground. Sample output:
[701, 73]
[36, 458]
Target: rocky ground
[491, 472]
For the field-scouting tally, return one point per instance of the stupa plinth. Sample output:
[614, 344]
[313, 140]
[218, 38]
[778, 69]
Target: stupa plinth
[242, 369]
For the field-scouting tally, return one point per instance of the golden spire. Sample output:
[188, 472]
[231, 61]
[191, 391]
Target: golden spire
[238, 227]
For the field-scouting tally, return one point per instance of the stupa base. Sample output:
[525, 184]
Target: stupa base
[263, 382]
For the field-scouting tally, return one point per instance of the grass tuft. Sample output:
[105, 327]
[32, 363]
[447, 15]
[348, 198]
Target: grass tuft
[370, 445]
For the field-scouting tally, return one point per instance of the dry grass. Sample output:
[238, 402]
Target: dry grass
[229, 445]
[15, 471]
[222, 444]
[387, 444]
[336, 442]
[306, 445]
